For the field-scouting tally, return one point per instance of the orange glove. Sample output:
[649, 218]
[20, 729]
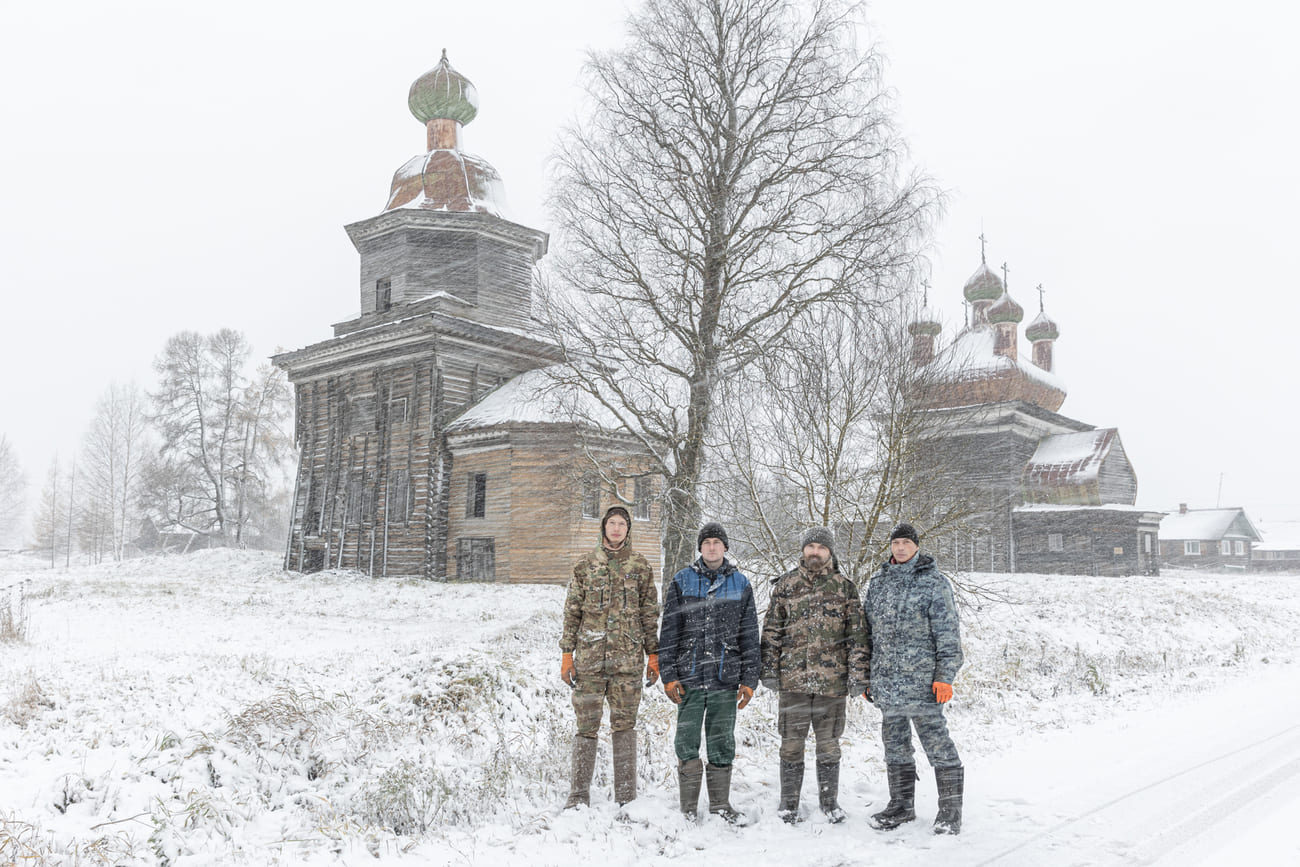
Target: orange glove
[651, 669]
[567, 674]
[942, 692]
[743, 695]
[675, 692]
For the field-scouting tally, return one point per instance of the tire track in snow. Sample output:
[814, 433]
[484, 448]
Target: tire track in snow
[1165, 818]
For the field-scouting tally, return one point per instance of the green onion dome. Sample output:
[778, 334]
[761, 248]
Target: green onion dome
[983, 285]
[1005, 309]
[442, 92]
[1042, 328]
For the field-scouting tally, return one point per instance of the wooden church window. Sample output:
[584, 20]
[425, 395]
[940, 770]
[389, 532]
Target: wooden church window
[383, 295]
[643, 493]
[1056, 541]
[590, 496]
[361, 414]
[476, 495]
[399, 496]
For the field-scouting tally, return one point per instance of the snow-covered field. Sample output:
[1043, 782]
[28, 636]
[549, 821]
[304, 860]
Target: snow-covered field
[211, 709]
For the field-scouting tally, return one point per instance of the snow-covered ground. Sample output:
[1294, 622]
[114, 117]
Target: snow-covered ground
[211, 709]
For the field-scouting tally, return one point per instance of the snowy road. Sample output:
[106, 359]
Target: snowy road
[1211, 780]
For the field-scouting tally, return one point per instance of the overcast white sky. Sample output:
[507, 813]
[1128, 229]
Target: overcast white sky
[172, 166]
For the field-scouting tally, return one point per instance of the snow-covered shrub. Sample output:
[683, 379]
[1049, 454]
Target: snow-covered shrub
[27, 703]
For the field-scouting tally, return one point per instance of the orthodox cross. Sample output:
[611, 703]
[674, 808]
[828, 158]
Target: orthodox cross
[1040, 297]
[925, 293]
[982, 243]
[1005, 271]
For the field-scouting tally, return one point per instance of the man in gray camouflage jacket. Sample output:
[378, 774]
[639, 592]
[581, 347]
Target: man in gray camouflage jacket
[915, 654]
[814, 651]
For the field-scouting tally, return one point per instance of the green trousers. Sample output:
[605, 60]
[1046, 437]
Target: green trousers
[715, 710]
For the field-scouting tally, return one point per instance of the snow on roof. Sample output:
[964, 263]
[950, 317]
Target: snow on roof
[534, 397]
[1108, 507]
[970, 356]
[1069, 458]
[1278, 536]
[1201, 524]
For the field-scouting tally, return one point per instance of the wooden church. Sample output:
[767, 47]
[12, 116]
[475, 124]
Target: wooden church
[431, 442]
[1053, 494]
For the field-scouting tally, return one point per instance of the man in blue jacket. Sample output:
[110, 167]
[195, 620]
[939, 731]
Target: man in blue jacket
[915, 654]
[709, 661]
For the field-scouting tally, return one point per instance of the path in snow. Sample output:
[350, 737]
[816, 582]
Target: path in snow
[1204, 781]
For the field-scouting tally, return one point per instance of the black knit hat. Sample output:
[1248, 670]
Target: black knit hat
[819, 536]
[616, 510]
[905, 531]
[712, 530]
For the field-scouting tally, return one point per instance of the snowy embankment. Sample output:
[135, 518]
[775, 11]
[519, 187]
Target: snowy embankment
[211, 709]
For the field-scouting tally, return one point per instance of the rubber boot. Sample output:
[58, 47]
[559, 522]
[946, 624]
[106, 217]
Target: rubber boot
[902, 798]
[791, 783]
[625, 766]
[952, 784]
[828, 791]
[719, 779]
[584, 763]
[690, 775]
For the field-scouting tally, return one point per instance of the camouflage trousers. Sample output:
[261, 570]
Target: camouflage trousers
[623, 692]
[931, 729]
[796, 711]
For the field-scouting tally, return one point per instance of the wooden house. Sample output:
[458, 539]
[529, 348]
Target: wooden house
[1213, 539]
[410, 461]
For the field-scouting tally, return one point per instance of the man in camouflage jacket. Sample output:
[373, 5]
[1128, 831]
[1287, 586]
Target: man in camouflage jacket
[915, 654]
[611, 629]
[814, 650]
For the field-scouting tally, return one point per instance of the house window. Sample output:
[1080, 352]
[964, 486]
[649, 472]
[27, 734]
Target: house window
[476, 495]
[590, 497]
[643, 492]
[1146, 542]
[1239, 547]
[476, 558]
[399, 495]
[1225, 548]
[1055, 542]
[1192, 548]
[383, 295]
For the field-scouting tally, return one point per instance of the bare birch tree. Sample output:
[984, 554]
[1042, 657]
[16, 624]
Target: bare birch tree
[112, 460]
[13, 489]
[222, 435]
[49, 525]
[833, 432]
[738, 170]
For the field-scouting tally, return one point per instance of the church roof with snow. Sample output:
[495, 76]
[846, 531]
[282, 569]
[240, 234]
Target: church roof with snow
[1070, 458]
[535, 397]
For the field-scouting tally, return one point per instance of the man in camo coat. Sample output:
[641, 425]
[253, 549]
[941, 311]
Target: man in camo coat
[814, 651]
[611, 628]
[915, 654]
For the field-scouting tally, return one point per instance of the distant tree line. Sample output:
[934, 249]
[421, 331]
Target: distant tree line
[202, 458]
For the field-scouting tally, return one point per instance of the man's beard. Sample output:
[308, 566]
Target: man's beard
[815, 564]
